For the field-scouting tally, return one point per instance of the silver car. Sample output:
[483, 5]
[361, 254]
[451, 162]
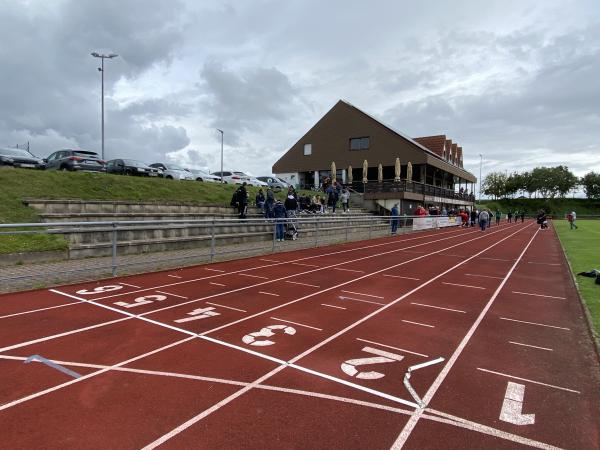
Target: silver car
[173, 172]
[200, 175]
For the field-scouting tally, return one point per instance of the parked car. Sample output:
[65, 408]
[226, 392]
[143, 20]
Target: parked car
[131, 167]
[233, 177]
[200, 175]
[173, 172]
[69, 159]
[276, 183]
[256, 182]
[19, 157]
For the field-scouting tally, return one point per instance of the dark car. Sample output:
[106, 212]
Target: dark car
[18, 157]
[131, 167]
[75, 160]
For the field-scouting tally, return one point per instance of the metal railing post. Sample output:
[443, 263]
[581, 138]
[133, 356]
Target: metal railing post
[347, 226]
[316, 232]
[212, 241]
[370, 226]
[114, 249]
[274, 235]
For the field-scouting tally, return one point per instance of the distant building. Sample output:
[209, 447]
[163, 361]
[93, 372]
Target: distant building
[348, 136]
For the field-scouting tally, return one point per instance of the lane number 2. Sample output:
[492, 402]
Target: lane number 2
[350, 367]
[266, 332]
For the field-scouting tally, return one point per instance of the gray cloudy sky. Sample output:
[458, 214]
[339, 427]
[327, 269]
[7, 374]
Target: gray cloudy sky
[518, 81]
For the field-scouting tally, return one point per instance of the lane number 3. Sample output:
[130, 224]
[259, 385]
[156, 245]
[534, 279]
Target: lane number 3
[266, 332]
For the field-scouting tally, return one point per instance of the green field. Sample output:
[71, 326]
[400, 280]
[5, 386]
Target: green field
[557, 207]
[18, 184]
[582, 247]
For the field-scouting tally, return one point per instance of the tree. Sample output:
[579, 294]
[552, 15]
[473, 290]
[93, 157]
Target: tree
[564, 180]
[494, 184]
[591, 185]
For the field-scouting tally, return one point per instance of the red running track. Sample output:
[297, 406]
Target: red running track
[309, 349]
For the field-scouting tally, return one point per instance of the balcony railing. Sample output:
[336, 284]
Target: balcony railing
[411, 186]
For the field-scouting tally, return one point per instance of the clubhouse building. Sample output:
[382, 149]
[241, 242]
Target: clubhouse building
[380, 162]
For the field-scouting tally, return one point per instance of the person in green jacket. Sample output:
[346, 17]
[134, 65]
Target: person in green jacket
[498, 215]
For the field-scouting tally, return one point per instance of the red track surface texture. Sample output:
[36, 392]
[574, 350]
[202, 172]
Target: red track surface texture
[316, 348]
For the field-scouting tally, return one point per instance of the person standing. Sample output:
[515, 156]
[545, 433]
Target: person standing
[279, 213]
[484, 217]
[522, 216]
[345, 199]
[572, 219]
[498, 216]
[242, 200]
[395, 218]
[473, 217]
[260, 199]
[269, 203]
[509, 215]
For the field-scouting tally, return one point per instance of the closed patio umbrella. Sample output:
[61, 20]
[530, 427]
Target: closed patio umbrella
[380, 173]
[333, 171]
[349, 177]
[409, 172]
[397, 170]
[365, 169]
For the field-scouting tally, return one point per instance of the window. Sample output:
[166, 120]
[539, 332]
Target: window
[361, 143]
[307, 149]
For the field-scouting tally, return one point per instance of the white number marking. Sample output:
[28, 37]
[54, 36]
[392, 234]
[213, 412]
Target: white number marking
[349, 367]
[100, 289]
[142, 301]
[266, 332]
[512, 406]
[199, 314]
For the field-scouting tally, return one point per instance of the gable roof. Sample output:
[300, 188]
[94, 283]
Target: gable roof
[433, 143]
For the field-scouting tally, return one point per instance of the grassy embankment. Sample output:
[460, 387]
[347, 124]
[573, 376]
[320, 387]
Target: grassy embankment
[582, 249]
[18, 184]
[558, 207]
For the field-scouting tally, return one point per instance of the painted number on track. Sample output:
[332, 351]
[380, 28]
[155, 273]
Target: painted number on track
[100, 289]
[512, 406]
[266, 332]
[349, 367]
[199, 314]
[142, 301]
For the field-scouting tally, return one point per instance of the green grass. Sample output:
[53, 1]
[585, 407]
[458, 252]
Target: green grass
[582, 248]
[18, 184]
[558, 207]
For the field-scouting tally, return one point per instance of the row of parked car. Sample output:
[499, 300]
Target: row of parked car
[72, 160]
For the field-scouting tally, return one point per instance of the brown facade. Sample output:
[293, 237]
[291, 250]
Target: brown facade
[330, 140]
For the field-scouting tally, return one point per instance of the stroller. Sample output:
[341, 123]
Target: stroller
[291, 226]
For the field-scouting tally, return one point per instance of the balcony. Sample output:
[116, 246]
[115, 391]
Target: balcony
[390, 187]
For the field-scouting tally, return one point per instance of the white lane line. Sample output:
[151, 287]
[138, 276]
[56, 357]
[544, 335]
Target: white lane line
[532, 346]
[361, 300]
[463, 285]
[226, 307]
[413, 251]
[535, 323]
[253, 276]
[483, 276]
[130, 285]
[366, 295]
[173, 295]
[55, 336]
[305, 265]
[217, 284]
[497, 259]
[544, 264]
[296, 323]
[412, 422]
[302, 284]
[37, 310]
[174, 276]
[529, 381]
[393, 348]
[331, 306]
[269, 260]
[215, 270]
[417, 323]
[398, 276]
[268, 293]
[438, 307]
[349, 270]
[538, 295]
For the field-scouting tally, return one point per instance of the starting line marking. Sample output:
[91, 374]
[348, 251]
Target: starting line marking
[296, 323]
[420, 324]
[302, 284]
[393, 348]
[366, 295]
[349, 270]
[268, 293]
[252, 276]
[438, 307]
[173, 295]
[130, 285]
[217, 284]
[174, 276]
[305, 265]
[463, 285]
[331, 306]
[398, 276]
[41, 309]
[226, 307]
[484, 276]
[539, 295]
[341, 297]
[530, 381]
[535, 323]
[529, 345]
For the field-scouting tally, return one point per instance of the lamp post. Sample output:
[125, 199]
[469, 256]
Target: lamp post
[221, 131]
[480, 164]
[101, 70]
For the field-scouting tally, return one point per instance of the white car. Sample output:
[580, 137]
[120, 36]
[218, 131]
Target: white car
[233, 177]
[200, 175]
[256, 182]
[173, 172]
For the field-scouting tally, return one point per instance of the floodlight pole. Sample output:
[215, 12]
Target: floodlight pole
[480, 181]
[101, 69]
[221, 131]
